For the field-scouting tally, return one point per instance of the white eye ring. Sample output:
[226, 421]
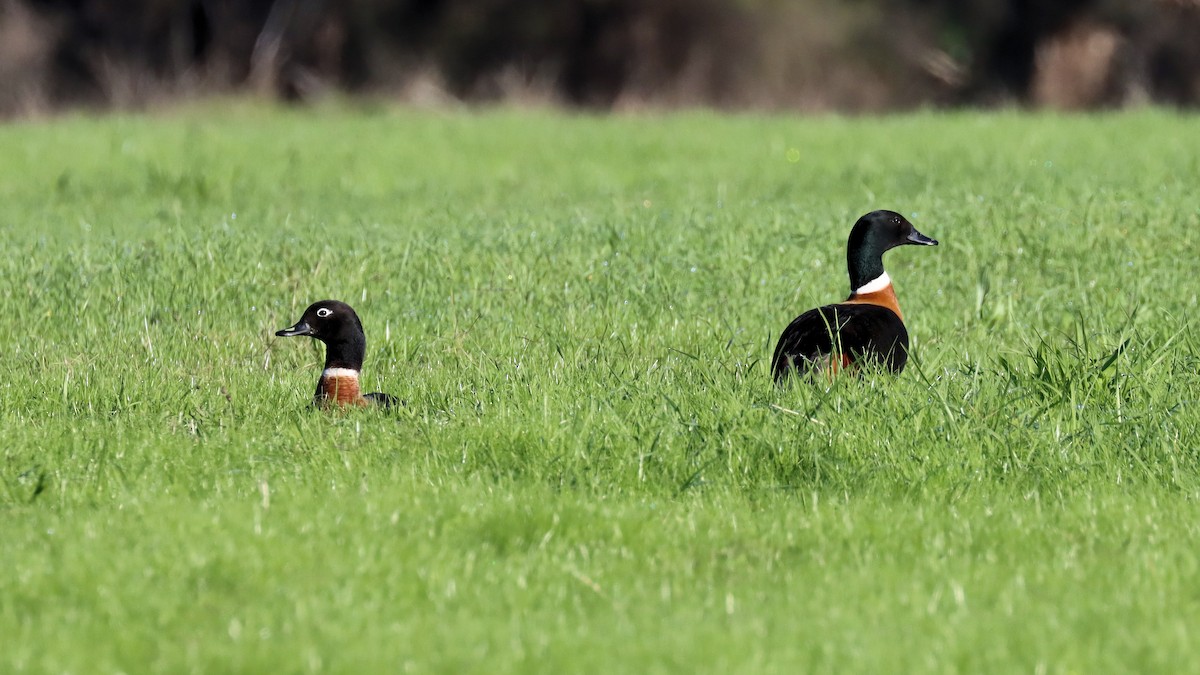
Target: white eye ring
[324, 312]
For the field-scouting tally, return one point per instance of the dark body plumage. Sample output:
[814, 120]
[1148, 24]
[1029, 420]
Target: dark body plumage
[337, 325]
[868, 327]
[863, 332]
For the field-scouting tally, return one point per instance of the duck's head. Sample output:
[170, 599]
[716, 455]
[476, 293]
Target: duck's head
[329, 321]
[879, 231]
[874, 234]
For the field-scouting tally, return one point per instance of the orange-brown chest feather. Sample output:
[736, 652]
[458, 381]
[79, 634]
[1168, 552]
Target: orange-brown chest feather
[885, 297]
[339, 389]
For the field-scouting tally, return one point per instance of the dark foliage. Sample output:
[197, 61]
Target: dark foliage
[601, 53]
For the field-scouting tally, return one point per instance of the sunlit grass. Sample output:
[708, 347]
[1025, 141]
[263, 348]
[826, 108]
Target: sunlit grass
[593, 470]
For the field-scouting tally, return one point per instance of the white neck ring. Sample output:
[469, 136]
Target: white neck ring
[339, 372]
[875, 285]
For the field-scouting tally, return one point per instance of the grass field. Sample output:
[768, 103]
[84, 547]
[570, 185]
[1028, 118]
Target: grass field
[594, 471]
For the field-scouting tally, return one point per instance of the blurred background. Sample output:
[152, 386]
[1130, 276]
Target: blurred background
[810, 55]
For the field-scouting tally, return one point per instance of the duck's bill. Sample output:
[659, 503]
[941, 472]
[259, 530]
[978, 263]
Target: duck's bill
[918, 238]
[300, 328]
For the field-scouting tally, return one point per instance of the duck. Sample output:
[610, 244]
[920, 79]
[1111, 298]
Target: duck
[337, 325]
[868, 326]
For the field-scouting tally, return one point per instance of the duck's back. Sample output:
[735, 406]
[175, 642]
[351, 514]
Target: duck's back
[381, 399]
[841, 335]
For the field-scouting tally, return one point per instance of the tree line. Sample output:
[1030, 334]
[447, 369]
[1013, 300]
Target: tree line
[605, 54]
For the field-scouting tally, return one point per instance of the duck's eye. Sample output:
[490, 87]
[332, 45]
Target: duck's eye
[324, 312]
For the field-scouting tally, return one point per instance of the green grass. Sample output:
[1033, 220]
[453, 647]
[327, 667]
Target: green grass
[593, 471]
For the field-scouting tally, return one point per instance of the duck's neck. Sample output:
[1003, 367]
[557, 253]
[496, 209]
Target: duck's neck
[339, 380]
[864, 264]
[346, 354]
[877, 291]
